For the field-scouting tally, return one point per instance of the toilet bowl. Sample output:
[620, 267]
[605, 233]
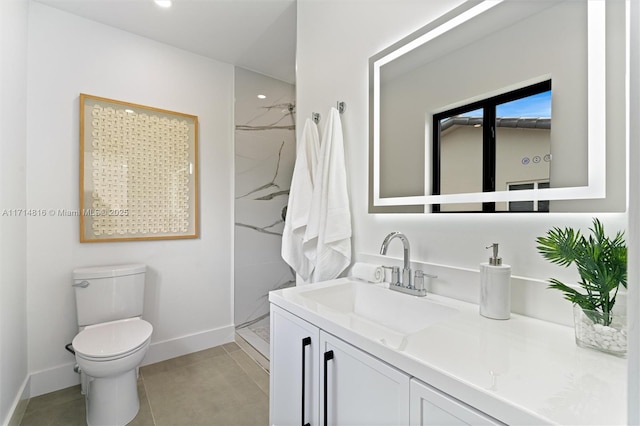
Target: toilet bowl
[109, 354]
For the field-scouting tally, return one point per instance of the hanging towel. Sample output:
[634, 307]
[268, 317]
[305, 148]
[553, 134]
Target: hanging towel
[327, 241]
[299, 203]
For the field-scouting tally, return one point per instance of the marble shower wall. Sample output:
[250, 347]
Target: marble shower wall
[264, 157]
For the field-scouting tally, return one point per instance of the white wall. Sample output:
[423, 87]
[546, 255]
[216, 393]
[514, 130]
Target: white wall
[188, 295]
[13, 124]
[634, 217]
[335, 41]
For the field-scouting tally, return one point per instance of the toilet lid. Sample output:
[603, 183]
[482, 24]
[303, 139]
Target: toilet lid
[112, 338]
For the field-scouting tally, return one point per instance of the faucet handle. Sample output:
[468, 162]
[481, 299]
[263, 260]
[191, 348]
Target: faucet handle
[395, 274]
[418, 279]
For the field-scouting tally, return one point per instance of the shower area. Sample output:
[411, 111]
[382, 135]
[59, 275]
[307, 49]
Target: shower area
[265, 148]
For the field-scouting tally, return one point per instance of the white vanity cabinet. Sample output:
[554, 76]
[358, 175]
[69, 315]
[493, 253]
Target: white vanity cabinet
[359, 389]
[429, 406]
[394, 359]
[318, 379]
[294, 372]
[338, 385]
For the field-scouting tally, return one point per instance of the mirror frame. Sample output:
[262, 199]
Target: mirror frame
[596, 117]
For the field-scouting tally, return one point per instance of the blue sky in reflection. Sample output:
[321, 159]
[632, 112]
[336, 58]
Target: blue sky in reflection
[535, 106]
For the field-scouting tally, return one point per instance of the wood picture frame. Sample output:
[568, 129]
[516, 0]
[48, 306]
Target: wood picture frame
[138, 172]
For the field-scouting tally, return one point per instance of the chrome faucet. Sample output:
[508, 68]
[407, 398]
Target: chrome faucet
[406, 270]
[405, 282]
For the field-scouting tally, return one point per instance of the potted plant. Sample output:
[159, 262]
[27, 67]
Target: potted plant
[602, 265]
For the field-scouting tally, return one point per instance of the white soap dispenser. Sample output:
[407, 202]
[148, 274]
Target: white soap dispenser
[495, 287]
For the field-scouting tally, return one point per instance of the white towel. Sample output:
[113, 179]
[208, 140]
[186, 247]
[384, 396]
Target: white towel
[367, 272]
[299, 203]
[327, 241]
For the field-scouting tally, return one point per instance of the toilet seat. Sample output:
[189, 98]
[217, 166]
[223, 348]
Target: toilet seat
[112, 340]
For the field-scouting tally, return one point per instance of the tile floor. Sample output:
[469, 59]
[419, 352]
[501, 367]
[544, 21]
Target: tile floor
[217, 386]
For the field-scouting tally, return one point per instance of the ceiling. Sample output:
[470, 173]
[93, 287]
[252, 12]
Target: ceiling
[259, 35]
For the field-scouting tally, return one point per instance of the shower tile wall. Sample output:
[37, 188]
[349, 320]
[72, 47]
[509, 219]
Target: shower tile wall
[264, 159]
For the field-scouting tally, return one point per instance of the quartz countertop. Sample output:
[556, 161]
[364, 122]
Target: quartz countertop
[519, 371]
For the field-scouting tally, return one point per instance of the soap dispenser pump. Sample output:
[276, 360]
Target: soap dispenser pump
[495, 287]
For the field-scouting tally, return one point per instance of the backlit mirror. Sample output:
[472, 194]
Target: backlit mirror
[461, 110]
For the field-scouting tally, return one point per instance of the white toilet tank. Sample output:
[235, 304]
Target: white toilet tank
[109, 293]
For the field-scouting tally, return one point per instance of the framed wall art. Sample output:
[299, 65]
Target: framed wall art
[138, 172]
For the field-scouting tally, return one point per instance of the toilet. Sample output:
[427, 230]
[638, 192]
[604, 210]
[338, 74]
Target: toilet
[112, 340]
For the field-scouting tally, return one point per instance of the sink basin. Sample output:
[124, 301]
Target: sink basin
[376, 312]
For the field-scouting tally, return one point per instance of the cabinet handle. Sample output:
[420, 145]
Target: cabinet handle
[328, 356]
[305, 342]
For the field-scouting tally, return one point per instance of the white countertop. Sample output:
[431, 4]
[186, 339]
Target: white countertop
[520, 371]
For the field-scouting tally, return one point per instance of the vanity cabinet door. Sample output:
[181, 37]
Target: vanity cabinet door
[358, 389]
[430, 406]
[294, 371]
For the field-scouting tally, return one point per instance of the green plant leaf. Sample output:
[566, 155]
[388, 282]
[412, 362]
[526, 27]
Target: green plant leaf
[601, 262]
[572, 294]
[559, 246]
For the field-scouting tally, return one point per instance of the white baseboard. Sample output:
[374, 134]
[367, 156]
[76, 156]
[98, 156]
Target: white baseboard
[53, 379]
[167, 349]
[63, 376]
[14, 417]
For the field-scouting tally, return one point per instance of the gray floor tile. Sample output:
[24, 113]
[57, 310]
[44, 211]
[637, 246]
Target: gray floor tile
[253, 370]
[181, 361]
[69, 413]
[144, 416]
[214, 392]
[219, 386]
[231, 347]
[54, 398]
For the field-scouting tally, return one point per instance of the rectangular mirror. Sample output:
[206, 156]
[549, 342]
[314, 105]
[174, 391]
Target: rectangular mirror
[461, 110]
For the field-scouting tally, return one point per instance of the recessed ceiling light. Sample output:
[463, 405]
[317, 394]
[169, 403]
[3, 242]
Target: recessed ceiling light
[163, 3]
[262, 97]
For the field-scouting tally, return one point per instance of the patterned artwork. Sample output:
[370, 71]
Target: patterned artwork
[139, 172]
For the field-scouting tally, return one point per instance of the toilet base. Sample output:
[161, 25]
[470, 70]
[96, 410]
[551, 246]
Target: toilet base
[112, 401]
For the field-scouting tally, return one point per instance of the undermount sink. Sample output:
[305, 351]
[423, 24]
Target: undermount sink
[375, 311]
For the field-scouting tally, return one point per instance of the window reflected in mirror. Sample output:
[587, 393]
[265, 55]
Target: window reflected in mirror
[529, 206]
[501, 143]
[460, 147]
